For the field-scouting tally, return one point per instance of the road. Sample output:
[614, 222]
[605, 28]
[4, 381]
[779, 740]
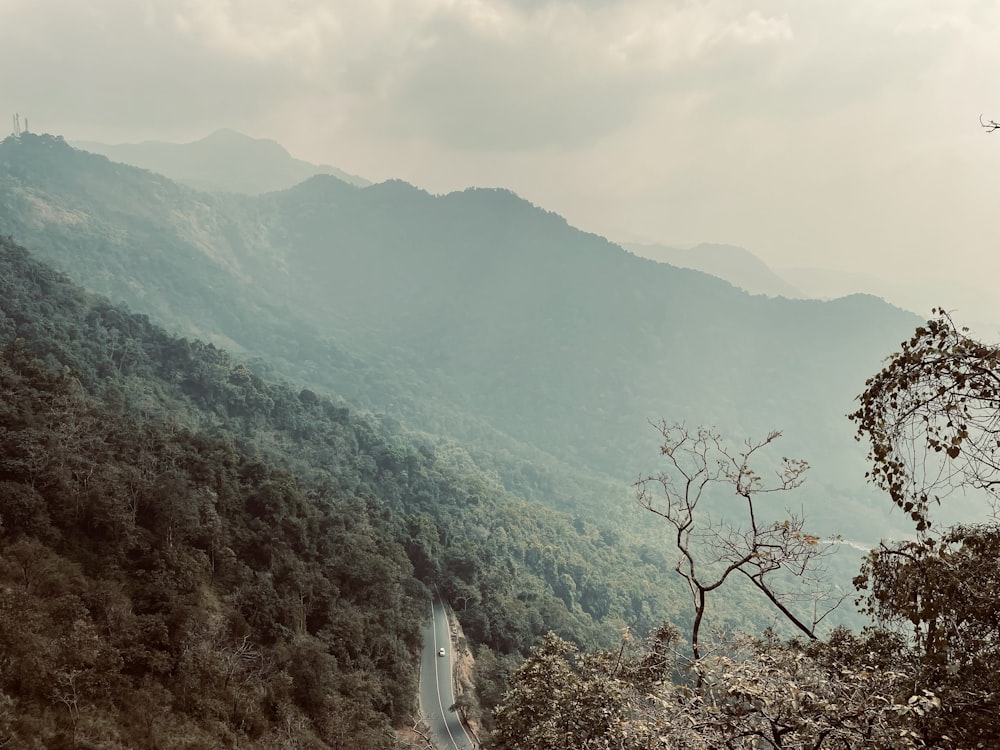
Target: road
[436, 685]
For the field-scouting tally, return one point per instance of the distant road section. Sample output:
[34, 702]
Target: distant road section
[436, 686]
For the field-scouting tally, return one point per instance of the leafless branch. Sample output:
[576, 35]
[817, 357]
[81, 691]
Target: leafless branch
[710, 549]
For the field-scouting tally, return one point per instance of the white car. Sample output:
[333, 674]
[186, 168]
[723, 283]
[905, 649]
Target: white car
[440, 652]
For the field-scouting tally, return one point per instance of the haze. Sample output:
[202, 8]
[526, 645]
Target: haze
[836, 134]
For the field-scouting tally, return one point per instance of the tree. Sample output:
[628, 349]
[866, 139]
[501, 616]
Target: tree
[560, 700]
[764, 552]
[923, 676]
[943, 590]
[750, 694]
[760, 693]
[932, 419]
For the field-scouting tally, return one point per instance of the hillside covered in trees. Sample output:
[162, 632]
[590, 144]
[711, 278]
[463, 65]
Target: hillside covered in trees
[206, 548]
[544, 350]
[192, 554]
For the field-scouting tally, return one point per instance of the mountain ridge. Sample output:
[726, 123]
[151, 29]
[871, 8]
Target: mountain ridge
[735, 264]
[159, 482]
[483, 305]
[225, 160]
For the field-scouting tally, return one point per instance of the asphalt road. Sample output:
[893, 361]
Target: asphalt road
[436, 685]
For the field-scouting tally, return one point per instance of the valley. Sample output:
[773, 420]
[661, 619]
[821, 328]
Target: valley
[466, 373]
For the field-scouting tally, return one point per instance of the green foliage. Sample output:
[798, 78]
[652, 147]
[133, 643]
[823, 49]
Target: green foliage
[161, 585]
[931, 417]
[766, 694]
[299, 522]
[560, 700]
[136, 570]
[543, 350]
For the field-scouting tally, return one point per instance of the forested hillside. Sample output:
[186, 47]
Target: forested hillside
[543, 349]
[498, 370]
[192, 554]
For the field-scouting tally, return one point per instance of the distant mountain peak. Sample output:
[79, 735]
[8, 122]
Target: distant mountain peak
[732, 263]
[229, 138]
[232, 134]
[225, 160]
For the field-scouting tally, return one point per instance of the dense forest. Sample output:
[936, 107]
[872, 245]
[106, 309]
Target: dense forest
[249, 556]
[543, 350]
[164, 584]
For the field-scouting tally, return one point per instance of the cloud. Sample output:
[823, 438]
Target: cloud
[553, 76]
[291, 34]
[470, 74]
[828, 126]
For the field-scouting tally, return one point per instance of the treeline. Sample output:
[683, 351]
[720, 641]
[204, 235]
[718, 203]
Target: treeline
[192, 555]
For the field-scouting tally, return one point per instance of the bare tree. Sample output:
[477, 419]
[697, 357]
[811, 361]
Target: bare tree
[422, 732]
[990, 125]
[766, 553]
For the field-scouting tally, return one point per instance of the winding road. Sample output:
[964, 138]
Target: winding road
[436, 685]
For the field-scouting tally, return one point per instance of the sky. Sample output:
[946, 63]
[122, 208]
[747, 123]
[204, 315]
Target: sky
[841, 134]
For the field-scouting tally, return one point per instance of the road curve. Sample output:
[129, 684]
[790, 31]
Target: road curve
[436, 686]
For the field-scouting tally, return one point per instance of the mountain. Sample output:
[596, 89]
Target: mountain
[475, 315]
[457, 386]
[166, 580]
[222, 161]
[738, 266]
[977, 307]
[190, 554]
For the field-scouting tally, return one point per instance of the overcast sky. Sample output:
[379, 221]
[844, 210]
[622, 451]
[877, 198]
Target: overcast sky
[834, 133]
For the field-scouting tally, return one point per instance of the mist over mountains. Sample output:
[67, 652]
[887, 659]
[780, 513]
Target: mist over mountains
[976, 306]
[225, 160]
[736, 265]
[466, 376]
[469, 314]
